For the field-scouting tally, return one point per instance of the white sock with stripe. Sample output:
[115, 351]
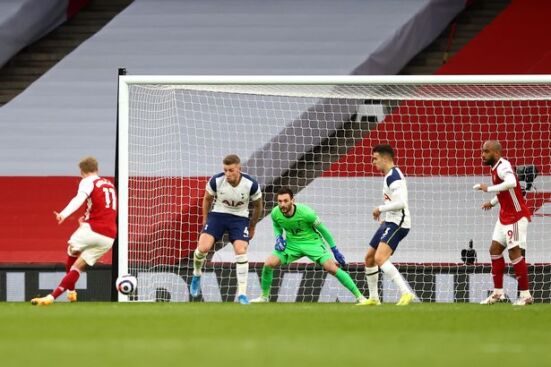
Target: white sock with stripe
[389, 269]
[372, 277]
[242, 270]
[198, 260]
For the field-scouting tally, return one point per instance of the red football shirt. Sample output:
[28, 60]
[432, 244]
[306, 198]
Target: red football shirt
[101, 212]
[511, 202]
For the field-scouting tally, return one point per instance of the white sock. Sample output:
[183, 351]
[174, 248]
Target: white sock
[372, 277]
[498, 291]
[242, 270]
[198, 260]
[389, 269]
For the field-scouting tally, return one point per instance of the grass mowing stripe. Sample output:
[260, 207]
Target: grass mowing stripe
[225, 334]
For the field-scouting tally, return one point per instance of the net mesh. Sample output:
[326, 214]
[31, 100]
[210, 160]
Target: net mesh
[317, 139]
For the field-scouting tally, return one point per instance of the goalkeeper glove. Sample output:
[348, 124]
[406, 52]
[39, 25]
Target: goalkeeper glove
[338, 256]
[280, 243]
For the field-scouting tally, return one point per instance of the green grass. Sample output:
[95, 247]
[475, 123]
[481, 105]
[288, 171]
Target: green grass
[197, 334]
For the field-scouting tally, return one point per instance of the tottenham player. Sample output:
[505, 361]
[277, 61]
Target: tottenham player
[231, 191]
[395, 227]
[96, 232]
[511, 227]
[304, 236]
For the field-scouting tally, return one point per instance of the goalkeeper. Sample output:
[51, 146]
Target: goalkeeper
[303, 237]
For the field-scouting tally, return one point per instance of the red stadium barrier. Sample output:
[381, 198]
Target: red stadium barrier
[28, 229]
[29, 233]
[171, 218]
[447, 140]
[516, 42]
[443, 138]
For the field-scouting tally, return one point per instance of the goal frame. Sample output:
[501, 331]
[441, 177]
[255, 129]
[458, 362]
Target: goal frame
[125, 81]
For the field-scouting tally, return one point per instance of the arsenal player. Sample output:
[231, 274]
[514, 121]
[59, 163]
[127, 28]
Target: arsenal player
[96, 232]
[511, 227]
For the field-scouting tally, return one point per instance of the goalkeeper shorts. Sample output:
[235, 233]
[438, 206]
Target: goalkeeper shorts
[318, 253]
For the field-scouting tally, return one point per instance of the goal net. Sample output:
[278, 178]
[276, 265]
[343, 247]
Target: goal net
[315, 135]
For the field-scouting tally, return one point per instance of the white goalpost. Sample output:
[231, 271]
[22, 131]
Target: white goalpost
[314, 134]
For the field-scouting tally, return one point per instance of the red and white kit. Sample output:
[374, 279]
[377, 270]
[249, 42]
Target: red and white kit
[97, 232]
[514, 215]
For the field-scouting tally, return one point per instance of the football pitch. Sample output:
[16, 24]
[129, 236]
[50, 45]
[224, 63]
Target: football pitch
[309, 334]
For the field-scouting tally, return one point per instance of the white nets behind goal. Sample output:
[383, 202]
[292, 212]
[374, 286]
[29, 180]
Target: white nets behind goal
[317, 139]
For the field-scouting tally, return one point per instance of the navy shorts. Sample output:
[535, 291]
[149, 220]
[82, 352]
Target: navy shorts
[218, 223]
[389, 233]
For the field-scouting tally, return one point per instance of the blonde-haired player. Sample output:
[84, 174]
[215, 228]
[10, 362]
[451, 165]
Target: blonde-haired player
[96, 232]
[230, 191]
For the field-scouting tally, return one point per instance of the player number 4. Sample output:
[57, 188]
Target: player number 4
[110, 198]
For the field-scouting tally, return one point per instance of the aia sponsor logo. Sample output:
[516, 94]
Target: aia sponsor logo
[233, 203]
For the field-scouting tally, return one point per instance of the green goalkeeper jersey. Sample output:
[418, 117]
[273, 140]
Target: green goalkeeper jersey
[302, 228]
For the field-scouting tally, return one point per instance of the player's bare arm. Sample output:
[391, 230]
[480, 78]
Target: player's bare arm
[58, 217]
[73, 206]
[487, 206]
[258, 207]
[207, 204]
[376, 214]
[481, 187]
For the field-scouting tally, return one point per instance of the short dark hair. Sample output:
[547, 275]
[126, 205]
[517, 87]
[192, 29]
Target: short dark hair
[285, 190]
[384, 149]
[231, 159]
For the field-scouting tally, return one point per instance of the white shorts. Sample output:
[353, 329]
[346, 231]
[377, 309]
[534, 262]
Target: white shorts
[89, 244]
[511, 235]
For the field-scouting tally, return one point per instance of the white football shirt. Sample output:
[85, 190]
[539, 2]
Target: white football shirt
[233, 200]
[395, 193]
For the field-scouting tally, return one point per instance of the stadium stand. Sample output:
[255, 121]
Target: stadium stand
[523, 47]
[36, 58]
[520, 26]
[23, 22]
[68, 108]
[70, 111]
[521, 52]
[467, 24]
